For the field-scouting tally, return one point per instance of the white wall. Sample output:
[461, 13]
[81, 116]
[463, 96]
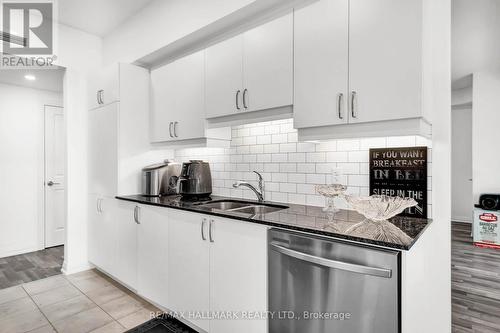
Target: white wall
[486, 133]
[291, 169]
[475, 35]
[161, 23]
[22, 166]
[461, 172]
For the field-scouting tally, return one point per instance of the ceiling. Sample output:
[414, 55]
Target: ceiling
[98, 17]
[46, 79]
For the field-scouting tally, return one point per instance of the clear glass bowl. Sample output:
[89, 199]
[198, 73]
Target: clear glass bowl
[380, 207]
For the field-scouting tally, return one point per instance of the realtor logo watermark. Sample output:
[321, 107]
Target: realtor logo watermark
[27, 34]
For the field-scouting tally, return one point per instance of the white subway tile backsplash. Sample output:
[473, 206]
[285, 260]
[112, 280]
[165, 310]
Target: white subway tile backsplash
[292, 169]
[315, 157]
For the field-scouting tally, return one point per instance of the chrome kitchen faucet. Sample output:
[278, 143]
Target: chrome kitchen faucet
[259, 193]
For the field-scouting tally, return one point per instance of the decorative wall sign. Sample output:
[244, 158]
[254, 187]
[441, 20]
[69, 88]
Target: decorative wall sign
[401, 172]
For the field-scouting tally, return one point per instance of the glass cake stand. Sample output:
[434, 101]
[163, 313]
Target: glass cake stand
[330, 192]
[377, 210]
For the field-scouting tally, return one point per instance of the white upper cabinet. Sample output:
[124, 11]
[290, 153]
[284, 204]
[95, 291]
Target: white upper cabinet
[252, 71]
[224, 77]
[268, 65]
[321, 64]
[358, 69]
[103, 150]
[385, 59]
[178, 104]
[103, 86]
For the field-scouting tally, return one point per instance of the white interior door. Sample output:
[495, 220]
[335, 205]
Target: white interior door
[55, 223]
[461, 170]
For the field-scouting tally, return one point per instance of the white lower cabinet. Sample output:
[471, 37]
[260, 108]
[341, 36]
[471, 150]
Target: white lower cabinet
[101, 233]
[197, 265]
[188, 266]
[152, 254]
[126, 215]
[238, 275]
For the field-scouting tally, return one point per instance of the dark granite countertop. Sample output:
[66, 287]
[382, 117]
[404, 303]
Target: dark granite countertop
[397, 233]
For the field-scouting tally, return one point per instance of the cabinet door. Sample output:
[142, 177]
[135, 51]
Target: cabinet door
[321, 64]
[94, 231]
[385, 59]
[238, 274]
[224, 78]
[178, 111]
[268, 65]
[126, 241]
[152, 243]
[103, 86]
[188, 265]
[103, 150]
[101, 233]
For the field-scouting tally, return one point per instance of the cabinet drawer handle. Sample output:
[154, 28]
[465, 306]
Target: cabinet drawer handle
[136, 215]
[170, 129]
[99, 97]
[203, 222]
[353, 106]
[210, 231]
[98, 205]
[238, 100]
[175, 129]
[340, 97]
[245, 92]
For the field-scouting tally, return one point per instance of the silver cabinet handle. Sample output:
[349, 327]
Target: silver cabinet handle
[245, 92]
[210, 231]
[203, 222]
[136, 214]
[353, 107]
[340, 97]
[51, 183]
[175, 129]
[238, 100]
[170, 129]
[98, 205]
[345, 266]
[97, 96]
[100, 96]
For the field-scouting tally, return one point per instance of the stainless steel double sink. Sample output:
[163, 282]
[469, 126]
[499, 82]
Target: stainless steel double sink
[243, 207]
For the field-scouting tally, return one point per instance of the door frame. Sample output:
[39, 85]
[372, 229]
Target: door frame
[42, 208]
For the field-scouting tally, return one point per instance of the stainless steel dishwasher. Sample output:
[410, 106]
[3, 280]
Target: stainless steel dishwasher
[318, 285]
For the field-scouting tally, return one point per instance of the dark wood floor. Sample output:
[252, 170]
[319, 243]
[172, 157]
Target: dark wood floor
[31, 266]
[475, 281]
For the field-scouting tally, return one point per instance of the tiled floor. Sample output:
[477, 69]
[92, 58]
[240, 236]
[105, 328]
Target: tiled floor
[31, 266]
[83, 302]
[475, 284]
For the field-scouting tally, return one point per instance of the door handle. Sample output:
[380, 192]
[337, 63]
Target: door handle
[51, 183]
[238, 100]
[210, 231]
[175, 129]
[340, 97]
[353, 107]
[98, 96]
[245, 92]
[203, 222]
[344, 266]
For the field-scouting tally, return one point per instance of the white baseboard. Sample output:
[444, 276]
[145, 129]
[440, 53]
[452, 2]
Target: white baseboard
[464, 219]
[10, 253]
[75, 269]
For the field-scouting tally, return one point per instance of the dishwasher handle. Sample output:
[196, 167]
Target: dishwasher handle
[366, 270]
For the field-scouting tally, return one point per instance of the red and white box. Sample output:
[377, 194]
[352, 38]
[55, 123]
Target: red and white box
[486, 228]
